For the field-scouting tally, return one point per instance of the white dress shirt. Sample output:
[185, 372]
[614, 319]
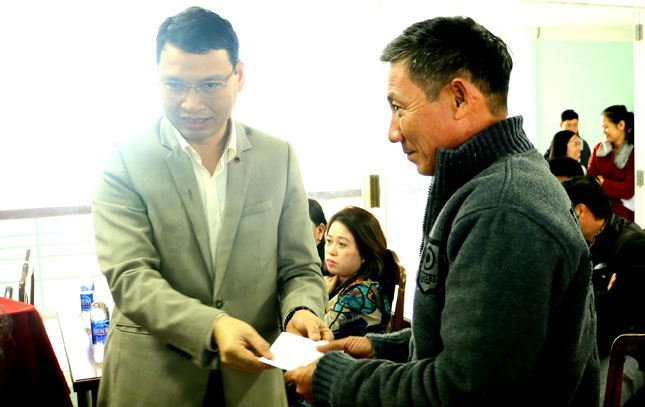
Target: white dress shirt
[212, 188]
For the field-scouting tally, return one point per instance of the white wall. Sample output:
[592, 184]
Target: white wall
[79, 75]
[639, 120]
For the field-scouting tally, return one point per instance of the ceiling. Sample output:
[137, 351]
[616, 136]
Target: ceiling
[581, 14]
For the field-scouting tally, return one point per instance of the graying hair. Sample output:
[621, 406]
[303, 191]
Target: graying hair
[438, 50]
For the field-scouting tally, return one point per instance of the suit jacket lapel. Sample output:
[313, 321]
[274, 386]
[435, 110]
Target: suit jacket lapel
[184, 177]
[237, 183]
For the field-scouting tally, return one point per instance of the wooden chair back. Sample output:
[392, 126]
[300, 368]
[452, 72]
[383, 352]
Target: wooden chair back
[8, 292]
[26, 283]
[397, 317]
[625, 345]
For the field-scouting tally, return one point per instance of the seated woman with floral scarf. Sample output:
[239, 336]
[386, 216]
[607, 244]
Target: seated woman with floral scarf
[362, 274]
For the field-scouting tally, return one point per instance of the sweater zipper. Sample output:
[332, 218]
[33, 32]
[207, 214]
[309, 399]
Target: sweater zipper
[425, 218]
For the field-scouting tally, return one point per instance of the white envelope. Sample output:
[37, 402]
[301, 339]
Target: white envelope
[291, 351]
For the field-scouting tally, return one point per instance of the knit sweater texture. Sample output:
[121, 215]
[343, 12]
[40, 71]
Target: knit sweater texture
[503, 309]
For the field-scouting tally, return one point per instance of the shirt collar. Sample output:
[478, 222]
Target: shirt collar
[229, 150]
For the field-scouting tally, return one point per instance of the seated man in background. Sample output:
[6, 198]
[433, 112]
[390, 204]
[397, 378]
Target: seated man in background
[617, 249]
[564, 168]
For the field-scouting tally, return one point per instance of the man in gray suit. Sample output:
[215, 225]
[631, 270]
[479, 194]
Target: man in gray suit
[203, 234]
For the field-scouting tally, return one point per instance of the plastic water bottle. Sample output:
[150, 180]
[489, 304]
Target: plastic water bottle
[100, 318]
[87, 298]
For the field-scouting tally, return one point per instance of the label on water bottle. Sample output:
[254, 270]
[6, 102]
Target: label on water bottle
[99, 331]
[87, 294]
[87, 298]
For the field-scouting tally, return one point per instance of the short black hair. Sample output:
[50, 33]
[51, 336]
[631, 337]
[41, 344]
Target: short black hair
[569, 114]
[198, 31]
[615, 114]
[588, 191]
[564, 166]
[438, 50]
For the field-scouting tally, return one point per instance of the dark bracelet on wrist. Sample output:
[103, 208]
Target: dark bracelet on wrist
[290, 315]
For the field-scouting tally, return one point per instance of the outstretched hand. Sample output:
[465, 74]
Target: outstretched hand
[302, 377]
[356, 346]
[612, 280]
[235, 340]
[307, 324]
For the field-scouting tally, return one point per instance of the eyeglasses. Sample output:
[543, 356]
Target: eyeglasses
[208, 89]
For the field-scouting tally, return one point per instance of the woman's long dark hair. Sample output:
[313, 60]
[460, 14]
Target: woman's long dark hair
[380, 263]
[559, 143]
[317, 216]
[615, 114]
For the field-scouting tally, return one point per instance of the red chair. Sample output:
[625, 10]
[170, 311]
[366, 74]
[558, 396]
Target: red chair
[29, 370]
[625, 345]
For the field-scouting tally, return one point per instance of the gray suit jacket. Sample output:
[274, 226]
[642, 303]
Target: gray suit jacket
[153, 247]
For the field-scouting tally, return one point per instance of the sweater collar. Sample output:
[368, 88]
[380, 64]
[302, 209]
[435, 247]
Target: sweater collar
[458, 166]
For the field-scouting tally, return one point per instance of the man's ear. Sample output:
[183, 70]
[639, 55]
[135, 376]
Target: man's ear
[239, 70]
[581, 210]
[461, 97]
[561, 124]
[584, 213]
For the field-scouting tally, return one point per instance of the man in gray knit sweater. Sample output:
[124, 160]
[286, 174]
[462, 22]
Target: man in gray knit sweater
[503, 309]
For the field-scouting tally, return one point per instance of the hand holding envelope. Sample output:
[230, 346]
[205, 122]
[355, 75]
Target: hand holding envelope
[291, 351]
[355, 346]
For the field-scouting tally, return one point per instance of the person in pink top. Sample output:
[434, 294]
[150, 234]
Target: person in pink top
[612, 161]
